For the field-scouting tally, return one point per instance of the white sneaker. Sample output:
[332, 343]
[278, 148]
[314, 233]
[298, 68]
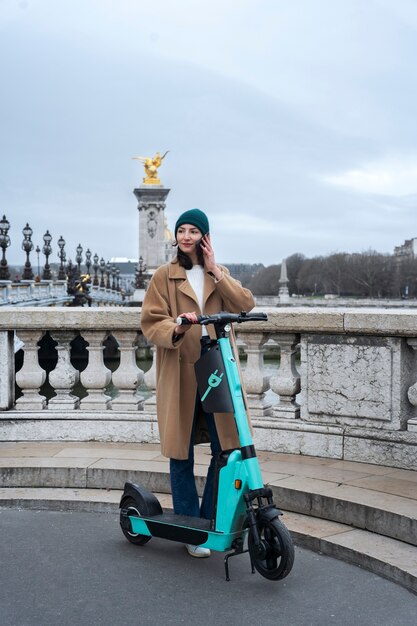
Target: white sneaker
[200, 553]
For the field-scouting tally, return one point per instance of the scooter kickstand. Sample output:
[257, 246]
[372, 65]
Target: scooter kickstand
[238, 549]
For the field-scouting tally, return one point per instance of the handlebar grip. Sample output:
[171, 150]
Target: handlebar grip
[182, 321]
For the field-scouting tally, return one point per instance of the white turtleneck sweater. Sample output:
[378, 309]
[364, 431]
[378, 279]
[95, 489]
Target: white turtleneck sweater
[195, 277]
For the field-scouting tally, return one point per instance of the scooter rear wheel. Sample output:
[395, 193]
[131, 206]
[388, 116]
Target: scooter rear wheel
[135, 538]
[278, 558]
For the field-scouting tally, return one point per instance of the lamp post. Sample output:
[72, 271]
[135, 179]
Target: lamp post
[4, 243]
[95, 268]
[79, 257]
[62, 258]
[71, 277]
[38, 251]
[27, 246]
[47, 250]
[88, 261]
[102, 270]
[113, 276]
[118, 279]
[140, 274]
[108, 272]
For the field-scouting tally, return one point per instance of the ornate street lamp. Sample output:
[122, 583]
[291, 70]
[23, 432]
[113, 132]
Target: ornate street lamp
[27, 246]
[102, 270]
[71, 278]
[38, 251]
[88, 261]
[140, 274]
[95, 268]
[118, 279]
[108, 272]
[4, 243]
[79, 257]
[47, 250]
[113, 276]
[62, 257]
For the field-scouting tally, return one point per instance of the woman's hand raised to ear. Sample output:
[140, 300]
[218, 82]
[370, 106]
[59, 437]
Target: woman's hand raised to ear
[209, 258]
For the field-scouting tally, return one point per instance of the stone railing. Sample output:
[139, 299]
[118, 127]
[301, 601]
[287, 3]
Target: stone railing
[332, 301]
[54, 293]
[345, 386]
[29, 292]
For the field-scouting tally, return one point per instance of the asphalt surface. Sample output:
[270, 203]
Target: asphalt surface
[77, 568]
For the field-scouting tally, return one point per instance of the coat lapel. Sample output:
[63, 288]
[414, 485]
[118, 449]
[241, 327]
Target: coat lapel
[176, 272]
[209, 287]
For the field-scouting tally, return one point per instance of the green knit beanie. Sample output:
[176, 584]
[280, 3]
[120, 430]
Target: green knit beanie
[195, 217]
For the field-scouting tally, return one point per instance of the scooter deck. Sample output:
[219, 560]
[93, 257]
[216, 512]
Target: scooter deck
[169, 517]
[183, 528]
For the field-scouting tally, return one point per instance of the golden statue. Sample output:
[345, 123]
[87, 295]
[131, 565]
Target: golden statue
[151, 165]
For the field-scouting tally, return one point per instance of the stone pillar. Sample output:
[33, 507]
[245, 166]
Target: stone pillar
[31, 377]
[128, 376]
[283, 294]
[151, 205]
[6, 370]
[253, 377]
[286, 383]
[64, 376]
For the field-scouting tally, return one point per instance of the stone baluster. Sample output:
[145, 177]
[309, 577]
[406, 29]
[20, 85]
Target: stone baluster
[412, 391]
[96, 375]
[255, 382]
[31, 377]
[6, 370]
[150, 382]
[64, 376]
[286, 383]
[128, 375]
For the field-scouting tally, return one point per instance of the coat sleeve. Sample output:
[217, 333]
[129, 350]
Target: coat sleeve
[156, 319]
[235, 297]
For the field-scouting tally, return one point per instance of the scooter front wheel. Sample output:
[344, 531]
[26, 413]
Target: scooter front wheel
[277, 556]
[132, 508]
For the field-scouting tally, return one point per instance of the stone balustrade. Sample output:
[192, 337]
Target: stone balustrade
[53, 293]
[344, 385]
[29, 292]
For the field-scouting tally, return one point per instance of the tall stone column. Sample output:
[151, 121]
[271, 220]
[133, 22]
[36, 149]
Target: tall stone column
[151, 206]
[284, 294]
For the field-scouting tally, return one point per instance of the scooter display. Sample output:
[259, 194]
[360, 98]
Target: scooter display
[244, 516]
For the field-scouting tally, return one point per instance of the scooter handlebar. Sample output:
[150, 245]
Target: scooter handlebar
[224, 318]
[182, 321]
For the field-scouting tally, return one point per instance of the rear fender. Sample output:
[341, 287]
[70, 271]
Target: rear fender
[147, 503]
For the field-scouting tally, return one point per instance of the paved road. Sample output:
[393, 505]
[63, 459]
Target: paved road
[77, 569]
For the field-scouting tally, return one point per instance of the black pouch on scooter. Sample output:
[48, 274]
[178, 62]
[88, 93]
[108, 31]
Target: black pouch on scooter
[212, 383]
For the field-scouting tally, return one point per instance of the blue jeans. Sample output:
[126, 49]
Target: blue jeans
[183, 489]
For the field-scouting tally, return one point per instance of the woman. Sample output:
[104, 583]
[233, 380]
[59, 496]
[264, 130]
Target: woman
[192, 284]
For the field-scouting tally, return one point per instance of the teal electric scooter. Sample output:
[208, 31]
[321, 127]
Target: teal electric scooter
[243, 507]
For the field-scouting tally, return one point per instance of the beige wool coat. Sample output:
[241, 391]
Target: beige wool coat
[169, 294]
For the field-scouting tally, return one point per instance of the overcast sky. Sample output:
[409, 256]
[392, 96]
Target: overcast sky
[293, 124]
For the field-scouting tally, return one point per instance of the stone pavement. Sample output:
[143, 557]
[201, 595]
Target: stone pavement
[361, 513]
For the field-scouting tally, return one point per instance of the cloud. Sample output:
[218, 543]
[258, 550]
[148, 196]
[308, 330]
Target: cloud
[396, 176]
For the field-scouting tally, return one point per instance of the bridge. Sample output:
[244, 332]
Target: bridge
[340, 392]
[29, 293]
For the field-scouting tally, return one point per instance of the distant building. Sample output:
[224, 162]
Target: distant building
[408, 249]
[244, 271]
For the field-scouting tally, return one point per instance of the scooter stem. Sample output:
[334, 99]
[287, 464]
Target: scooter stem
[248, 451]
